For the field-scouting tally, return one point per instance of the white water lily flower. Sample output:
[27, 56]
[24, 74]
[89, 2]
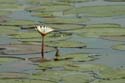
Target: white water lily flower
[44, 29]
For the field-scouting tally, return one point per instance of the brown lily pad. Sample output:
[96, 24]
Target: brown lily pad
[22, 49]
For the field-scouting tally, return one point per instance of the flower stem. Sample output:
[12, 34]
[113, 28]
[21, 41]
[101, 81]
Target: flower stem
[42, 47]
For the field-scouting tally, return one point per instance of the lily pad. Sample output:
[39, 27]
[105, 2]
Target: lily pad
[17, 49]
[4, 13]
[87, 67]
[76, 78]
[32, 37]
[115, 0]
[4, 1]
[79, 57]
[51, 8]
[67, 44]
[60, 76]
[113, 74]
[7, 59]
[18, 22]
[114, 37]
[90, 11]
[74, 1]
[66, 26]
[119, 47]
[8, 30]
[12, 75]
[111, 81]
[10, 6]
[53, 64]
[24, 81]
[98, 31]
[65, 20]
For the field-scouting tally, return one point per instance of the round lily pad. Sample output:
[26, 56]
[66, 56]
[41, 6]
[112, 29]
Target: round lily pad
[30, 37]
[8, 30]
[87, 67]
[111, 81]
[12, 75]
[50, 8]
[119, 47]
[60, 76]
[66, 44]
[66, 26]
[65, 20]
[7, 59]
[115, 0]
[112, 74]
[54, 64]
[24, 81]
[114, 37]
[76, 78]
[111, 10]
[79, 57]
[18, 22]
[101, 31]
[15, 49]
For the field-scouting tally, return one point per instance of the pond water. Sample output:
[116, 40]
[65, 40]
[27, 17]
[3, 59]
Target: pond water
[95, 46]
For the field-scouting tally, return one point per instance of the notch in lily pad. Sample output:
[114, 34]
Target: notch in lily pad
[43, 30]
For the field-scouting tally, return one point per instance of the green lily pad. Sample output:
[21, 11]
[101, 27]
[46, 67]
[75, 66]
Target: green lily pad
[66, 26]
[73, 1]
[110, 81]
[76, 78]
[87, 67]
[10, 6]
[90, 11]
[66, 61]
[8, 59]
[114, 37]
[8, 30]
[60, 76]
[24, 81]
[54, 64]
[4, 13]
[51, 8]
[67, 44]
[107, 30]
[113, 74]
[12, 75]
[32, 37]
[18, 22]
[115, 0]
[15, 49]
[4, 1]
[119, 47]
[79, 57]
[65, 20]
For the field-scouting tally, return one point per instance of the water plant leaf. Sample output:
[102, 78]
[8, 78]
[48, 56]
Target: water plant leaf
[7, 30]
[114, 37]
[90, 11]
[50, 8]
[12, 75]
[32, 37]
[8, 59]
[67, 44]
[17, 49]
[18, 22]
[119, 47]
[65, 20]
